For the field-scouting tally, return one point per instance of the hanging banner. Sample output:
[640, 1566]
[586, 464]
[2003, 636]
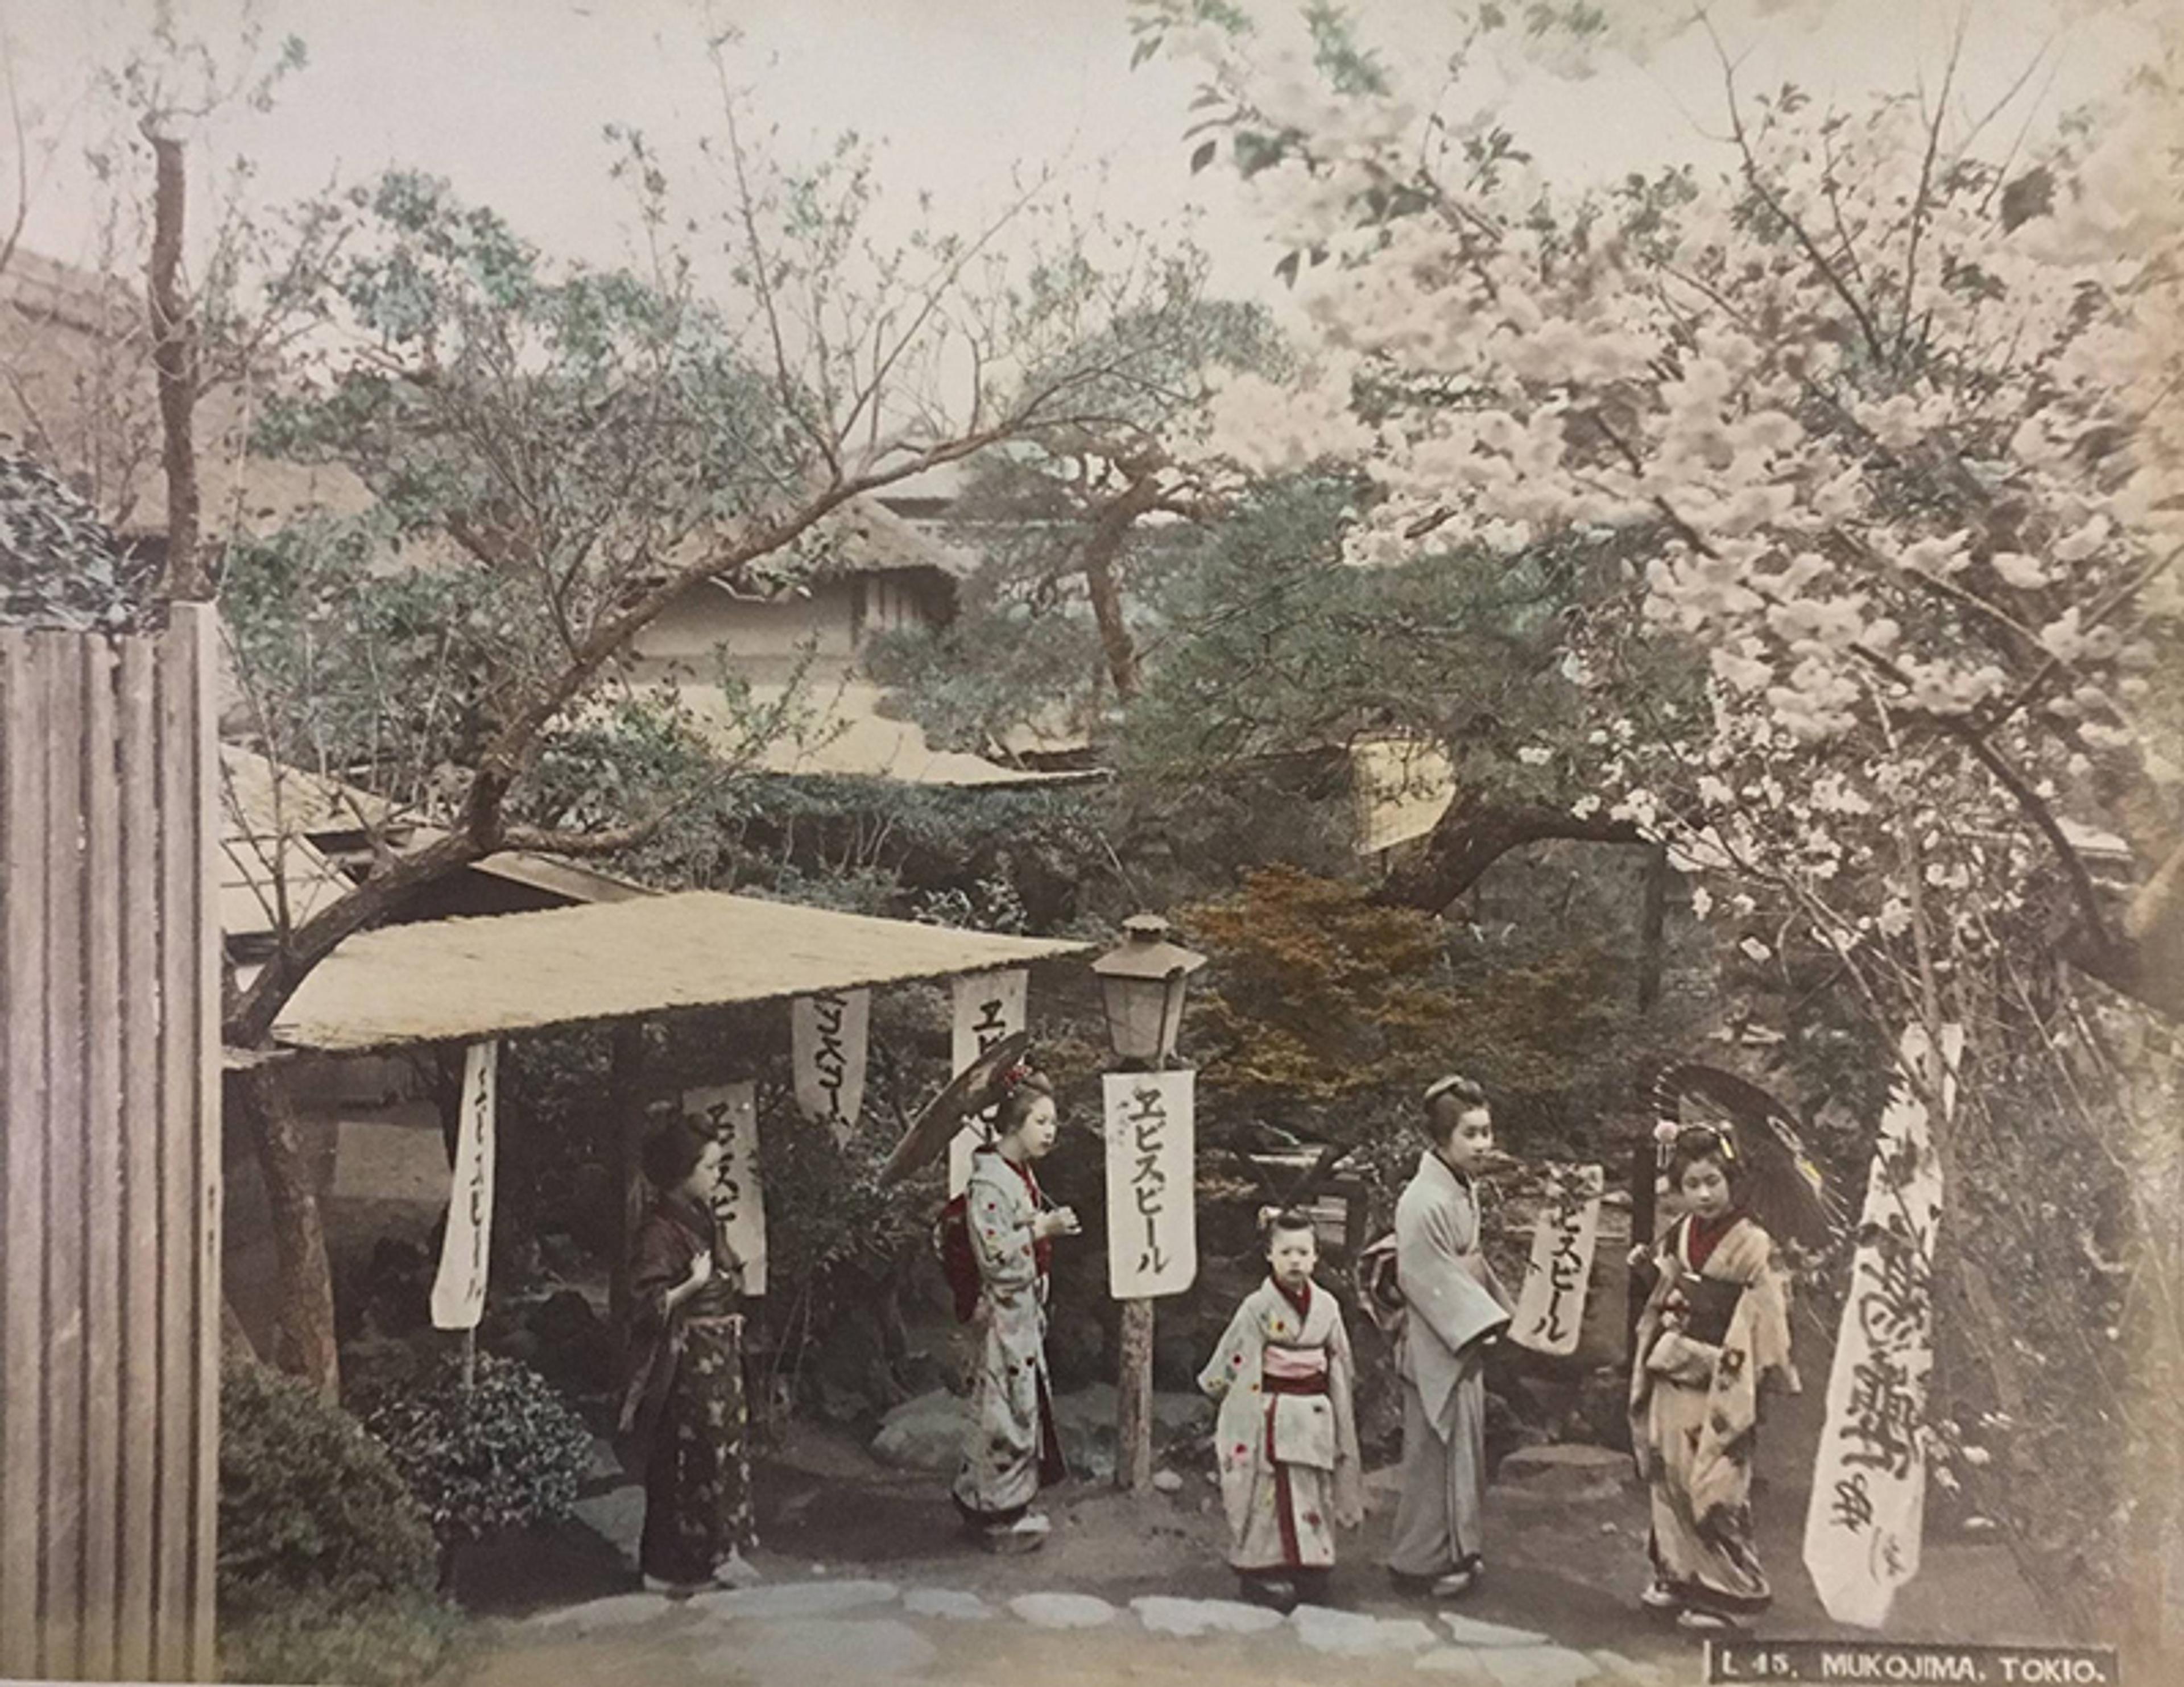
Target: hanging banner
[829, 1033]
[728, 1112]
[989, 1006]
[1152, 1184]
[459, 1288]
[1864, 1526]
[1551, 1304]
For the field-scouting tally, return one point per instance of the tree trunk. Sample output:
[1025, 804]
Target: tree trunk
[1101, 549]
[1652, 926]
[175, 361]
[305, 1345]
[1476, 832]
[626, 1085]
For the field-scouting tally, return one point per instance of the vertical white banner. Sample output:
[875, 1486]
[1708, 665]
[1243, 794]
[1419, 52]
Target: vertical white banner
[1152, 1184]
[1867, 1514]
[828, 1034]
[728, 1112]
[989, 1006]
[459, 1288]
[1551, 1304]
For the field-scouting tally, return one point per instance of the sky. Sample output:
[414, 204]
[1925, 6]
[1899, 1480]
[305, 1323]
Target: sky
[508, 98]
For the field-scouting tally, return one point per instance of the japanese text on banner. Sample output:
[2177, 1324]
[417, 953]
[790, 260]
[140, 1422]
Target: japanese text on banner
[829, 1032]
[989, 1006]
[1152, 1212]
[1867, 1514]
[466, 1251]
[728, 1112]
[1551, 1306]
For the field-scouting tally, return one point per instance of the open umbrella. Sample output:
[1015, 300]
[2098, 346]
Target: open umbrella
[1783, 1188]
[971, 1090]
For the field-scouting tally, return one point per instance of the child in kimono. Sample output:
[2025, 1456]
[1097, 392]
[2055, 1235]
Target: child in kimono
[1714, 1332]
[1454, 1308]
[1012, 1446]
[1286, 1437]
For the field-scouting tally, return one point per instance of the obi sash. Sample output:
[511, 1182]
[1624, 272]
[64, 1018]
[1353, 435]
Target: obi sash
[1299, 1418]
[1709, 1304]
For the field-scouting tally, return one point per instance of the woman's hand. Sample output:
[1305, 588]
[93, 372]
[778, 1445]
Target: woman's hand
[701, 1273]
[1061, 1221]
[1640, 1257]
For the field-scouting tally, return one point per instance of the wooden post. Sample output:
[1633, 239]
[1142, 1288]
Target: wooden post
[1644, 1169]
[1133, 1400]
[625, 1084]
[1652, 926]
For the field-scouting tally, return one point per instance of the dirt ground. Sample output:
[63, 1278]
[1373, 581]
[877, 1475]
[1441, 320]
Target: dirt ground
[1564, 1563]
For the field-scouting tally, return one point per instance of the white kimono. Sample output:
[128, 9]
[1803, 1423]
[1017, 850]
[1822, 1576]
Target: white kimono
[1011, 1446]
[1286, 1437]
[1452, 1301]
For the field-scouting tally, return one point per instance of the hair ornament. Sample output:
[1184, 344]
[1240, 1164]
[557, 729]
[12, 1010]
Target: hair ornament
[1010, 1077]
[1268, 1214]
[1441, 1087]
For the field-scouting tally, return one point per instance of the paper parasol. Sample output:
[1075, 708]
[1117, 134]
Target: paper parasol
[1783, 1188]
[970, 1091]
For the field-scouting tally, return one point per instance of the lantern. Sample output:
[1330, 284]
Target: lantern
[1143, 980]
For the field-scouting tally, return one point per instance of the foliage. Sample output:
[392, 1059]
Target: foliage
[1887, 405]
[383, 1640]
[60, 567]
[310, 1504]
[507, 1453]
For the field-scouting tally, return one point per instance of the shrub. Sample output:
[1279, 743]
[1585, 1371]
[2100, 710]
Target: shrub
[307, 1502]
[507, 1453]
[384, 1641]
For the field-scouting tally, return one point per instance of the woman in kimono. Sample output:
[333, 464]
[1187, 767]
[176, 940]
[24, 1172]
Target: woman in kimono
[1012, 1446]
[1454, 1309]
[1287, 1435]
[1715, 1331]
[683, 1414]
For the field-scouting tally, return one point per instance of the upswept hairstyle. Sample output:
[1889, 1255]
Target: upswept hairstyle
[1460, 1091]
[1698, 1144]
[1021, 1089]
[1274, 1220]
[671, 1153]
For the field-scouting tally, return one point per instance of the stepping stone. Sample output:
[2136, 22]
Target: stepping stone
[947, 1602]
[1191, 1617]
[1460, 1663]
[1630, 1670]
[617, 1612]
[1062, 1609]
[1168, 1481]
[1536, 1666]
[796, 1599]
[823, 1649]
[1350, 1634]
[1562, 1471]
[617, 1516]
[1469, 1631]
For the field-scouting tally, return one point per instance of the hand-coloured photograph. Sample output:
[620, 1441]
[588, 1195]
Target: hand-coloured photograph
[1247, 843]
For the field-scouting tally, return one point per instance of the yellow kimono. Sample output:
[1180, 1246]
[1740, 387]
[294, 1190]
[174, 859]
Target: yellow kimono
[1715, 1331]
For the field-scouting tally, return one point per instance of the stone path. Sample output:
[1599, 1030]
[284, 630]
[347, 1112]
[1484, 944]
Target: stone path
[845, 1630]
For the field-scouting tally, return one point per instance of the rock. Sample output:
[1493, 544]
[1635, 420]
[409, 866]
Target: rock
[1061, 1610]
[1537, 1667]
[1190, 1617]
[1167, 1481]
[1564, 1471]
[820, 1650]
[796, 1599]
[1469, 1631]
[618, 1612]
[1349, 1633]
[949, 1603]
[925, 1433]
[618, 1515]
[1629, 1670]
[1460, 1661]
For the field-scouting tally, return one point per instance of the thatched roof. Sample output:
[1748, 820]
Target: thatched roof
[77, 390]
[461, 980]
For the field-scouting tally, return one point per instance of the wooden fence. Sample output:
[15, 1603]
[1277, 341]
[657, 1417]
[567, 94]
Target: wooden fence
[110, 1154]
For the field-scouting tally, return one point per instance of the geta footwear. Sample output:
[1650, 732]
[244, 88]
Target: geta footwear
[1275, 1594]
[1707, 1623]
[736, 1570]
[1660, 1596]
[674, 1589]
[1027, 1533]
[1455, 1584]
